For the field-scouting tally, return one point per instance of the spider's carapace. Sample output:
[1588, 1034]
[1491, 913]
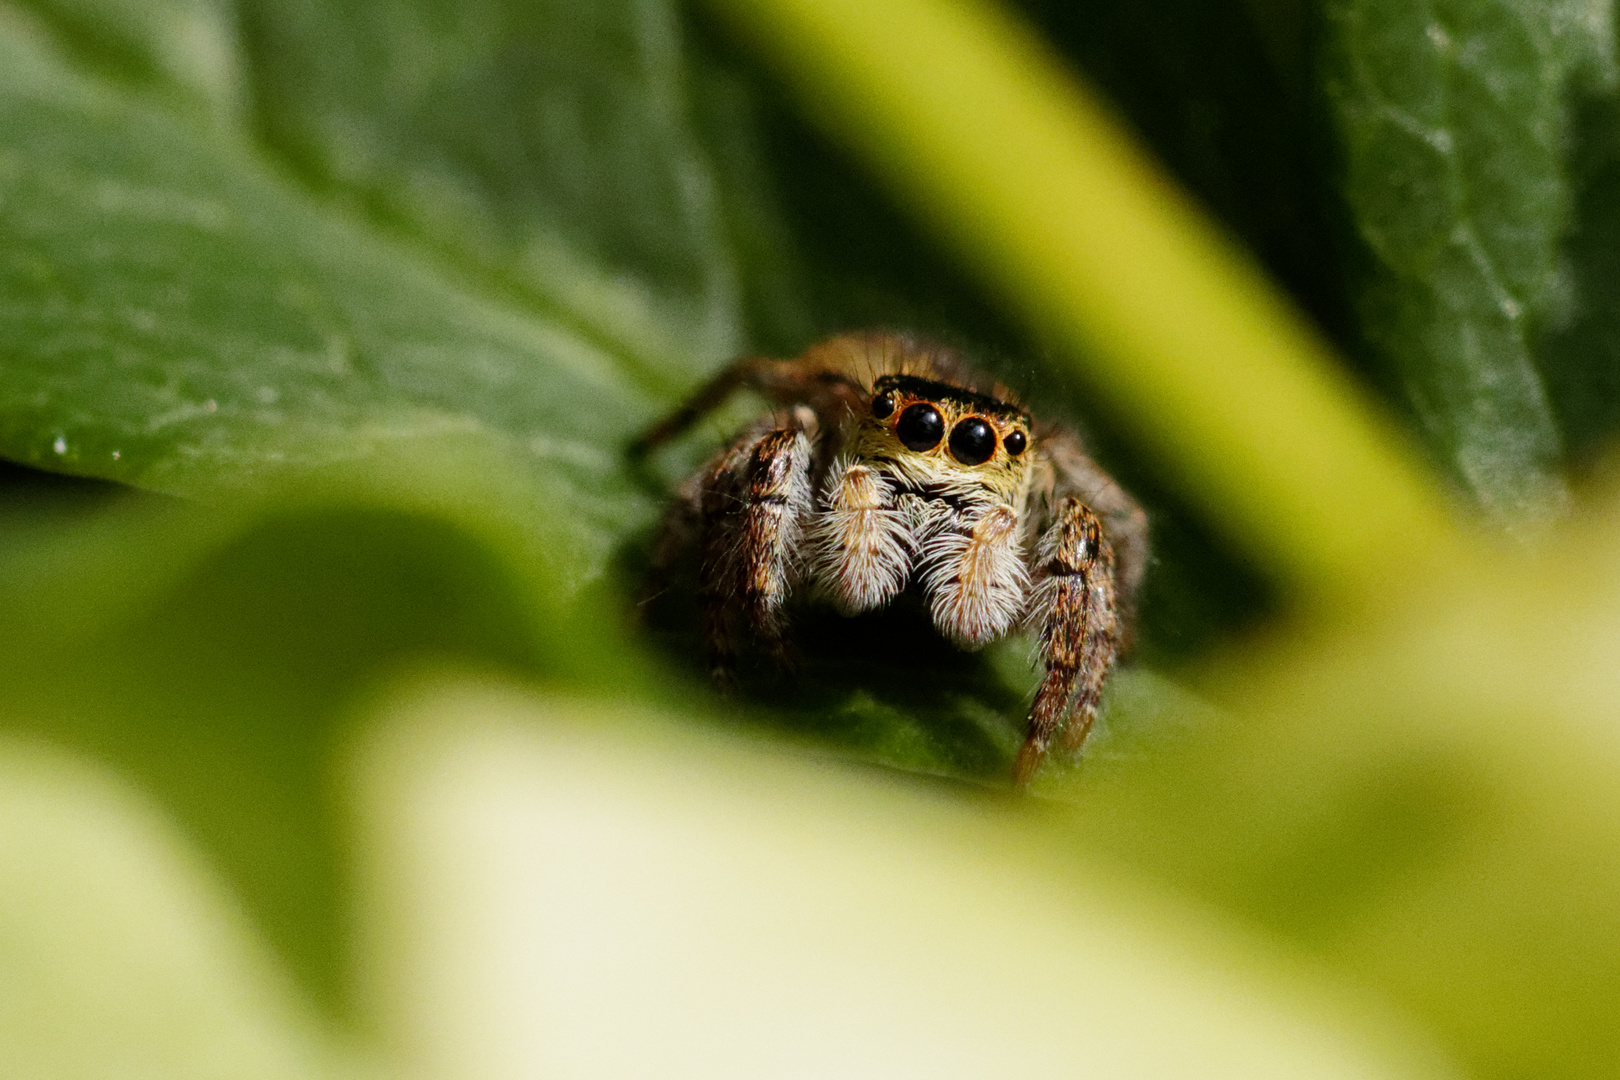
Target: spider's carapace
[887, 463]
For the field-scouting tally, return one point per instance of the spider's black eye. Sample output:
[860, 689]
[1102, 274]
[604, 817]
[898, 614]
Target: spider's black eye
[882, 406]
[973, 441]
[1015, 442]
[920, 427]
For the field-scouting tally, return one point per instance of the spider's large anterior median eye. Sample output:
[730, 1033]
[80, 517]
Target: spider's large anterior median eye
[973, 441]
[1015, 442]
[920, 427]
[883, 405]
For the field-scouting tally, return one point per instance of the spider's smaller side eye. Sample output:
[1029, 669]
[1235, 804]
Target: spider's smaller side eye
[920, 427]
[883, 405]
[1015, 442]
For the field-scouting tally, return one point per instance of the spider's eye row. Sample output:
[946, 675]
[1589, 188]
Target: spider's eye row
[1015, 442]
[920, 427]
[973, 441]
[883, 405]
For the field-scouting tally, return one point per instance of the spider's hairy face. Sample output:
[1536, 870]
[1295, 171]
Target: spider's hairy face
[930, 486]
[934, 435]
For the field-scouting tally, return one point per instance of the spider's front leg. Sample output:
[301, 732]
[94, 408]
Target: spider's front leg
[1075, 609]
[755, 499]
[1124, 523]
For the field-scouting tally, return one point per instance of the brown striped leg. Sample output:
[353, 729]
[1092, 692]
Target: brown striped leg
[755, 502]
[782, 382]
[708, 397]
[1074, 607]
[1124, 522]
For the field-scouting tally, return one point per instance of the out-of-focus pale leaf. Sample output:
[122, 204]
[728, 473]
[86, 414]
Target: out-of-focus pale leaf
[576, 889]
[1455, 126]
[120, 956]
[208, 655]
[1426, 802]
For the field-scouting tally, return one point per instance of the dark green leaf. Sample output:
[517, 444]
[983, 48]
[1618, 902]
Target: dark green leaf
[1454, 120]
[548, 144]
[179, 317]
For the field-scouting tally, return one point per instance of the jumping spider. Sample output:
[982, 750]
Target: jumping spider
[890, 463]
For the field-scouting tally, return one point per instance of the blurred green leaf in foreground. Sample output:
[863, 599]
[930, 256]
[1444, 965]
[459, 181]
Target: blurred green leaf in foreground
[328, 748]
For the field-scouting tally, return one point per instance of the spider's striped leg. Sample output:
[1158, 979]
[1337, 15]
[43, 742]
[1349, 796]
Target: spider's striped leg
[1074, 610]
[708, 397]
[783, 382]
[1124, 522]
[755, 502]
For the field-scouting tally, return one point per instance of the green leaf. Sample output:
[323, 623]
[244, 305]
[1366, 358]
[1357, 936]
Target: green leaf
[1454, 120]
[182, 51]
[1581, 353]
[178, 316]
[548, 144]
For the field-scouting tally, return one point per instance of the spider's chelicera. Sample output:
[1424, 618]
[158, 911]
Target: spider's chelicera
[891, 463]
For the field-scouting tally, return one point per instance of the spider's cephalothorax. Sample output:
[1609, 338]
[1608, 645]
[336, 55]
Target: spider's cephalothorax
[890, 463]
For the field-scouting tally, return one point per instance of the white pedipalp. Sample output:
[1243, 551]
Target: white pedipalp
[975, 578]
[860, 553]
